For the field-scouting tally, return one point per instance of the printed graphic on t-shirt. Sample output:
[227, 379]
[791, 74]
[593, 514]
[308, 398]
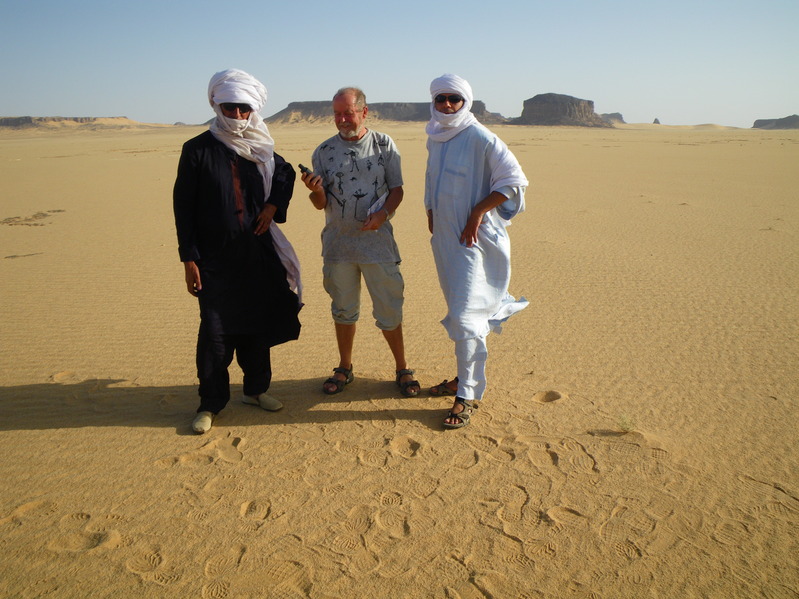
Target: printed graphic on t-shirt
[354, 177]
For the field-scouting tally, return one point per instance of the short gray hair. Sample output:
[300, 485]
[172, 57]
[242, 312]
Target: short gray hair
[360, 97]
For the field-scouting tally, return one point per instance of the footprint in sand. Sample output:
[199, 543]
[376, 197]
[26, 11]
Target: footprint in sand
[627, 550]
[285, 579]
[731, 532]
[82, 541]
[405, 447]
[778, 502]
[391, 516]
[492, 447]
[538, 548]
[562, 517]
[149, 565]
[389, 498]
[513, 500]
[359, 520]
[345, 542]
[223, 485]
[75, 538]
[216, 589]
[66, 377]
[257, 509]
[145, 562]
[223, 449]
[615, 531]
[393, 521]
[373, 458]
[31, 508]
[549, 396]
[224, 564]
[570, 455]
[77, 520]
[363, 562]
[347, 535]
[777, 509]
[423, 485]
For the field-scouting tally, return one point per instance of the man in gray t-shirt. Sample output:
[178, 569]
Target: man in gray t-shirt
[357, 181]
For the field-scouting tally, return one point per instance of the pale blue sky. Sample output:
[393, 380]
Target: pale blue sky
[684, 62]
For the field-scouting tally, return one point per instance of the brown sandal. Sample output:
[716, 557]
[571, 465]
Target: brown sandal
[443, 389]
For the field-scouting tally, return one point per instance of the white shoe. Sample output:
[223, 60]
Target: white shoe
[202, 422]
[267, 402]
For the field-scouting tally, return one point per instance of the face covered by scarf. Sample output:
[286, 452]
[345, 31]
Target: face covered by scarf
[249, 137]
[443, 127]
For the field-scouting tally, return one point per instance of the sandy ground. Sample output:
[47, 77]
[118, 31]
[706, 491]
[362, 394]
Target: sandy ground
[638, 437]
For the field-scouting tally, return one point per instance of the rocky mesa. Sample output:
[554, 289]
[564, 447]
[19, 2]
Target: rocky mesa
[73, 122]
[321, 112]
[559, 110]
[788, 122]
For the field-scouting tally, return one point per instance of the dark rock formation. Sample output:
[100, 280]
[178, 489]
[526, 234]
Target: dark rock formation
[311, 112]
[656, 121]
[20, 122]
[788, 122]
[559, 109]
[612, 118]
[16, 122]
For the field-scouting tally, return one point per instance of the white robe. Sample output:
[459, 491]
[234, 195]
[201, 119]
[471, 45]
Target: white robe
[461, 172]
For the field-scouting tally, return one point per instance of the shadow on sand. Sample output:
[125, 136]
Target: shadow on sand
[110, 403]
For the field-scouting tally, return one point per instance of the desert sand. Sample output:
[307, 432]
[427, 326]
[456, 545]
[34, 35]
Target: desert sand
[638, 437]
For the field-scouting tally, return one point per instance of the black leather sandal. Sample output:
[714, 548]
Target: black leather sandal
[469, 406]
[338, 382]
[404, 387]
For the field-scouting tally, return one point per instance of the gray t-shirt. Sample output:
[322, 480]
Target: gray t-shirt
[355, 175]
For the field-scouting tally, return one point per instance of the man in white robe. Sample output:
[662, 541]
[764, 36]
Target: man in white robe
[473, 187]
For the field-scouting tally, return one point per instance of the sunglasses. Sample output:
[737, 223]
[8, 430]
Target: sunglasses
[452, 99]
[230, 107]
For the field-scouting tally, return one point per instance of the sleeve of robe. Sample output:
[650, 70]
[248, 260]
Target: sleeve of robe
[183, 197]
[282, 188]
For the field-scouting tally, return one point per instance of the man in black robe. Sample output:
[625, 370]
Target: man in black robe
[229, 190]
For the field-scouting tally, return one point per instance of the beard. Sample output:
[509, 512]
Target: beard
[349, 132]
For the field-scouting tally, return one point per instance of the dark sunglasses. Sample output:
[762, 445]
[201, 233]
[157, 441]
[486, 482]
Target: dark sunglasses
[453, 99]
[230, 107]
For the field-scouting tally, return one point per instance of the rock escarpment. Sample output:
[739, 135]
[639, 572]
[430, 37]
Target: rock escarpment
[559, 109]
[788, 122]
[68, 122]
[312, 112]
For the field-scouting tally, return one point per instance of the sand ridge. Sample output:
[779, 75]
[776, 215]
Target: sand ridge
[637, 439]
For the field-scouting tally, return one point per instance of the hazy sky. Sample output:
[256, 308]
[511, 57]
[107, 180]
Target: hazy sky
[727, 62]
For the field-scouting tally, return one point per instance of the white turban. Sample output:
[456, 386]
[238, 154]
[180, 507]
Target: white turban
[237, 87]
[249, 137]
[443, 127]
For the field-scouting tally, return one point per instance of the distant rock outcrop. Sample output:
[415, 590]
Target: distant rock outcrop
[656, 121]
[789, 122]
[613, 118]
[559, 109]
[71, 122]
[321, 112]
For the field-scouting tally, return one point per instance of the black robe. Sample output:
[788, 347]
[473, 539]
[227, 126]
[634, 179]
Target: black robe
[244, 286]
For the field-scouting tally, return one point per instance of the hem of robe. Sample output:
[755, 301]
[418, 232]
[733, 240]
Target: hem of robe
[510, 306]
